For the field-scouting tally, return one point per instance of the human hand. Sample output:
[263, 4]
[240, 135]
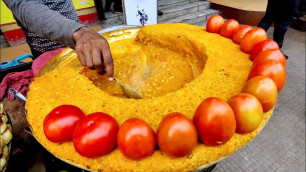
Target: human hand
[93, 51]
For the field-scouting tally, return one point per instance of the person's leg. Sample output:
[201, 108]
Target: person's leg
[100, 9]
[301, 9]
[280, 29]
[267, 20]
[160, 12]
[283, 20]
[108, 4]
[118, 6]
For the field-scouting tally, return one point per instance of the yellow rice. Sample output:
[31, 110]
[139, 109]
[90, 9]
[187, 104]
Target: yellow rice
[225, 72]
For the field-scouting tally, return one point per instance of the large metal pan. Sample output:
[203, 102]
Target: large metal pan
[67, 57]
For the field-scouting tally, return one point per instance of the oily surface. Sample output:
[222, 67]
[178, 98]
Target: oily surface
[150, 70]
[224, 72]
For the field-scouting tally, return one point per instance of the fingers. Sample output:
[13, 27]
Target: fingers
[84, 56]
[88, 56]
[93, 51]
[97, 59]
[107, 59]
[80, 54]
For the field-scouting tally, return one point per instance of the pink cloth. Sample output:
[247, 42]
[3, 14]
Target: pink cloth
[43, 59]
[20, 81]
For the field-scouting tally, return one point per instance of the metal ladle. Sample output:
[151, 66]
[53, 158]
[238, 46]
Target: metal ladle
[129, 92]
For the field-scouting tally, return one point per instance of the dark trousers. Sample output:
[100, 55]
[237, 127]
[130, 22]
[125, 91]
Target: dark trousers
[117, 5]
[100, 9]
[281, 13]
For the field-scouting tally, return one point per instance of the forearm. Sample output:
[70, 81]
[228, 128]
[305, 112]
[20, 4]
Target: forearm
[38, 18]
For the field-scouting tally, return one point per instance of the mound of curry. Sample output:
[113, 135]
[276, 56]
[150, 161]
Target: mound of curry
[173, 66]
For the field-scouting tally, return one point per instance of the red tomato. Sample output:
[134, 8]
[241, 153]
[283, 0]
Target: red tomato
[267, 44]
[248, 112]
[95, 135]
[272, 69]
[229, 28]
[59, 124]
[215, 121]
[251, 38]
[270, 55]
[264, 89]
[176, 135]
[136, 139]
[214, 24]
[239, 34]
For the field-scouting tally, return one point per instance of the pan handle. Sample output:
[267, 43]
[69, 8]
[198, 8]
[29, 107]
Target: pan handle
[116, 28]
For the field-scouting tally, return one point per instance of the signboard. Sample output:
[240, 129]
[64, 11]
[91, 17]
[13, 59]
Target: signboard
[82, 4]
[6, 16]
[140, 12]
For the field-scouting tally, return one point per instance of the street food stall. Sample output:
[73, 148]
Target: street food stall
[175, 68]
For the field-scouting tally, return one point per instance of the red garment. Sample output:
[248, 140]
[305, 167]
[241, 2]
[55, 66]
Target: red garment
[20, 81]
[43, 59]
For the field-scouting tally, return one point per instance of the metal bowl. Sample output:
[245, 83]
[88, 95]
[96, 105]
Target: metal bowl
[68, 57]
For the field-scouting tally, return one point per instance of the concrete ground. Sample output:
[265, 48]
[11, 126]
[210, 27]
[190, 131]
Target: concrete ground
[280, 146]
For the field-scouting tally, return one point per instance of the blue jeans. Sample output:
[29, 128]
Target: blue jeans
[281, 13]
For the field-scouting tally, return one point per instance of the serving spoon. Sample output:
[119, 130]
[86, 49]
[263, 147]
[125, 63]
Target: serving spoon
[129, 92]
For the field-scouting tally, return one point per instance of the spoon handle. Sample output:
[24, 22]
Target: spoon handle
[18, 95]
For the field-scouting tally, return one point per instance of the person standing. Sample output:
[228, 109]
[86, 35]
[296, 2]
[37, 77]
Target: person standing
[281, 13]
[117, 8]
